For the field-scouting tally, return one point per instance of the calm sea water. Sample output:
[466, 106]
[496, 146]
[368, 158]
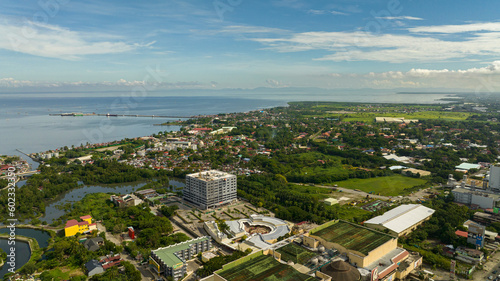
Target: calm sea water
[25, 123]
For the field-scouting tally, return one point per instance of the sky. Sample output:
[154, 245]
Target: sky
[219, 44]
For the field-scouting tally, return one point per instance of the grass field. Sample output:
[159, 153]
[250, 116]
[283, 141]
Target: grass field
[441, 115]
[388, 186]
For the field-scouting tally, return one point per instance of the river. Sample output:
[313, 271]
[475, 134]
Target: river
[53, 212]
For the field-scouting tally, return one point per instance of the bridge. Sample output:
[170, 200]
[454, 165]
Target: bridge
[121, 115]
[24, 174]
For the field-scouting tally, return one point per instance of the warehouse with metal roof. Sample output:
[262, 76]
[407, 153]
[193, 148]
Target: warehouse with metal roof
[401, 220]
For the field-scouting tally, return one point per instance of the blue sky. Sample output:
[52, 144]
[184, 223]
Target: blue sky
[85, 45]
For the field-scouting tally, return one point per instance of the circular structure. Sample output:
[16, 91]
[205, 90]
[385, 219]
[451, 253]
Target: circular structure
[340, 270]
[256, 228]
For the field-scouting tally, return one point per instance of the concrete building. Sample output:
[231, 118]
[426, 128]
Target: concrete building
[171, 260]
[494, 178]
[401, 220]
[210, 189]
[376, 254]
[482, 198]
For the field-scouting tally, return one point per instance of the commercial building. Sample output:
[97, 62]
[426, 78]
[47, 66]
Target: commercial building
[401, 220]
[486, 199]
[494, 178]
[210, 189]
[376, 254]
[73, 226]
[171, 260]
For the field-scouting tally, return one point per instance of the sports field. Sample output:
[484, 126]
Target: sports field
[388, 186]
[353, 237]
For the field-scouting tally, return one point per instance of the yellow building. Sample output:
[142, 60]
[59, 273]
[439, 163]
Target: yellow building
[73, 226]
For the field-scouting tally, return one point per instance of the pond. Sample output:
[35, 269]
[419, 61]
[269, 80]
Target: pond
[22, 252]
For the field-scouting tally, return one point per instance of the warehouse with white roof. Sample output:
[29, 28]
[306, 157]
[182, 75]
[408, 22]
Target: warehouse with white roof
[401, 220]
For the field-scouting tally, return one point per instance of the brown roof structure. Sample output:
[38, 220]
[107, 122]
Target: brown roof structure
[340, 270]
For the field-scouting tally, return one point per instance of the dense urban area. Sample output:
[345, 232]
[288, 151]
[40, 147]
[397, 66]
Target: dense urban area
[311, 191]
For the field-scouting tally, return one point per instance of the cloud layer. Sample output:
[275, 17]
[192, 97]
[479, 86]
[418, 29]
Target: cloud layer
[482, 40]
[46, 40]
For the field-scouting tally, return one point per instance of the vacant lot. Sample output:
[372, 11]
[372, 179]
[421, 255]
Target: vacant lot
[388, 186]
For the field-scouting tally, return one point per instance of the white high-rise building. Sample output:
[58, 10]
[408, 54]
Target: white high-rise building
[210, 189]
[494, 178]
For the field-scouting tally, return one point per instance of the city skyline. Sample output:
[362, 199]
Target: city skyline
[68, 45]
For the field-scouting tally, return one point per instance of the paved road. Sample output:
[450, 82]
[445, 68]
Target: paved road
[493, 264]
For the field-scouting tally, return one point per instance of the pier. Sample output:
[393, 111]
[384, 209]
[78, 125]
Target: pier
[119, 115]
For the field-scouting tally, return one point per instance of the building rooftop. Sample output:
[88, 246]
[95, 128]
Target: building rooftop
[209, 175]
[71, 223]
[166, 254]
[145, 191]
[262, 268]
[86, 217]
[480, 192]
[402, 217]
[467, 166]
[388, 262]
[351, 236]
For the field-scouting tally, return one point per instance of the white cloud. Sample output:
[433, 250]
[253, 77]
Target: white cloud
[249, 29]
[401, 18]
[52, 41]
[394, 48]
[120, 83]
[275, 83]
[459, 28]
[322, 12]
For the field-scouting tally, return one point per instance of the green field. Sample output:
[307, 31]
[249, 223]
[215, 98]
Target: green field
[295, 253]
[388, 186]
[441, 115]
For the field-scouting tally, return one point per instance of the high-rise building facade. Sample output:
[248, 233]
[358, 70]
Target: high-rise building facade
[210, 189]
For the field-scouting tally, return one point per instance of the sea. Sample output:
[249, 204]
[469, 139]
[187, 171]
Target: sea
[25, 123]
